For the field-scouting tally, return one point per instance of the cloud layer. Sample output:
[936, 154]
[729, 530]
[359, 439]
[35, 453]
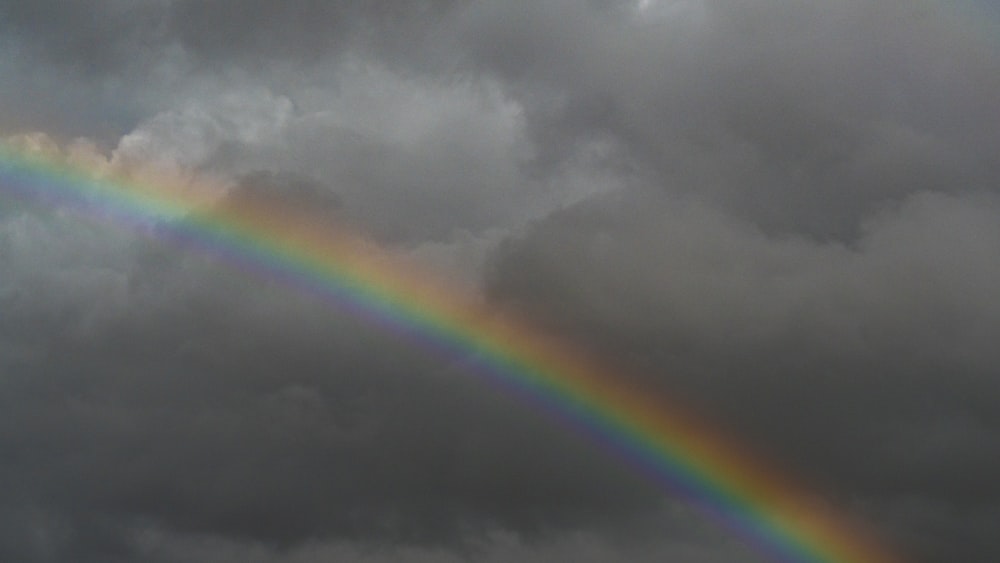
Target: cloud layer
[785, 213]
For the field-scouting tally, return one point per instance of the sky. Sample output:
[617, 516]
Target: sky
[784, 214]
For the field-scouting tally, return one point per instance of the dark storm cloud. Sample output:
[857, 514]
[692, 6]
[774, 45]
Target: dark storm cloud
[301, 30]
[105, 35]
[882, 354]
[91, 36]
[799, 116]
[784, 212]
[97, 68]
[791, 255]
[299, 194]
[148, 389]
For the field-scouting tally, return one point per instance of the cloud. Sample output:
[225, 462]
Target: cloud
[414, 159]
[784, 213]
[92, 37]
[880, 351]
[798, 117]
[145, 386]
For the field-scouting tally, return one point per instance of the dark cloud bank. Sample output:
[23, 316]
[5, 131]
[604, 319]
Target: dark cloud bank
[785, 213]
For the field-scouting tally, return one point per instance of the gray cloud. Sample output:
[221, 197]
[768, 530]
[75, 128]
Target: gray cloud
[112, 35]
[783, 213]
[91, 37]
[881, 353]
[161, 389]
[302, 30]
[799, 117]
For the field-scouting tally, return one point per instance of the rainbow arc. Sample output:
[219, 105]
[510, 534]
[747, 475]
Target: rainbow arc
[684, 456]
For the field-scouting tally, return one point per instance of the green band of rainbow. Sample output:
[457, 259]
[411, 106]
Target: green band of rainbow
[682, 455]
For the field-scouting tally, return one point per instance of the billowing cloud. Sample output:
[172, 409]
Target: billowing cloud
[783, 213]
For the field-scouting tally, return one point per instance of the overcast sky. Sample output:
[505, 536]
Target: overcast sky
[785, 213]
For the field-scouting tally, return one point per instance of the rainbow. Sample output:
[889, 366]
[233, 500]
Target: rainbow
[673, 449]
